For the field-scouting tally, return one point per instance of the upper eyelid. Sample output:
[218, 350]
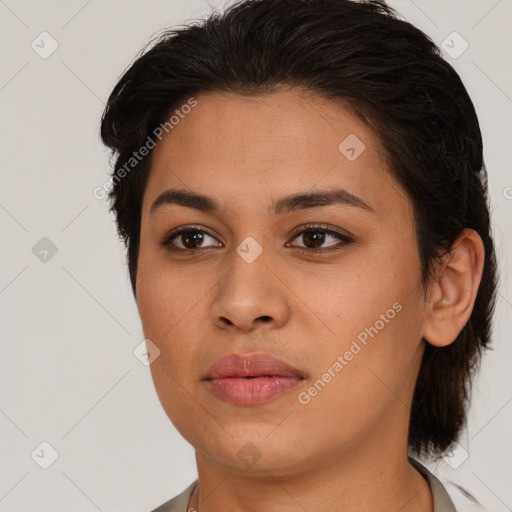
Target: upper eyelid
[184, 229]
[321, 226]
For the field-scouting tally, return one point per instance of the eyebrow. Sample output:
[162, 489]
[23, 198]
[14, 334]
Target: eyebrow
[282, 206]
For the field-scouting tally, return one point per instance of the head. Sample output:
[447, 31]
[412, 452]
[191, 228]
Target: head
[277, 99]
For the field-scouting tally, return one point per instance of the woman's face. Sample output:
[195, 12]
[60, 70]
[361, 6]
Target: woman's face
[331, 287]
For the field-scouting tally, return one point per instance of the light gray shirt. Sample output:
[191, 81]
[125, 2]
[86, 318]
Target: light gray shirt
[442, 501]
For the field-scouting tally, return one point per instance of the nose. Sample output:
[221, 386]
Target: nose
[250, 295]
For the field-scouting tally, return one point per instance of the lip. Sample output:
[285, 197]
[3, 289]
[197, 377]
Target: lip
[251, 379]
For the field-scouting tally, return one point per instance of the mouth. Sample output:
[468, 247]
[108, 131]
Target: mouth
[251, 379]
[251, 390]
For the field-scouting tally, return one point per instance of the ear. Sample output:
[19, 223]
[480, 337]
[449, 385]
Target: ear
[453, 293]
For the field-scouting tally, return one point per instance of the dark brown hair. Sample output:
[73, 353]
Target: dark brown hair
[394, 78]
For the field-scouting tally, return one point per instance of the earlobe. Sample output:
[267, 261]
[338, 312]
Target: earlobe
[454, 291]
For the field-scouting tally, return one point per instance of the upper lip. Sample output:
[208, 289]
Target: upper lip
[251, 365]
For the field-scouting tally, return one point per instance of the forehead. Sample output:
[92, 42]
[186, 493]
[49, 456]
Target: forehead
[279, 143]
[267, 124]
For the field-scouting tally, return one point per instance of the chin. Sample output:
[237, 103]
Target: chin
[249, 452]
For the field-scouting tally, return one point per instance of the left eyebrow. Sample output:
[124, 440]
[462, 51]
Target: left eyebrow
[315, 199]
[282, 206]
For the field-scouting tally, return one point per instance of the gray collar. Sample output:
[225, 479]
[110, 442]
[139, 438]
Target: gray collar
[442, 501]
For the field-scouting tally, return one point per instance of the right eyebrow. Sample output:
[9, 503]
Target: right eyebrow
[185, 198]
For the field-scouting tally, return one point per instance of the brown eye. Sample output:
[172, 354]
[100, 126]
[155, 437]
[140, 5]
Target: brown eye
[319, 239]
[189, 238]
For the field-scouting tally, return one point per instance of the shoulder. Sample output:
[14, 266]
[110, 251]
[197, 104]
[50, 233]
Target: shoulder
[178, 503]
[456, 484]
[440, 496]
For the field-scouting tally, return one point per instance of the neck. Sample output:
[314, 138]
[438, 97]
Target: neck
[374, 481]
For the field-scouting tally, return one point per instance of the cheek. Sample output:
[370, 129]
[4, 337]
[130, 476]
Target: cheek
[172, 306]
[155, 305]
[168, 320]
[166, 297]
[370, 378]
[357, 295]
[374, 317]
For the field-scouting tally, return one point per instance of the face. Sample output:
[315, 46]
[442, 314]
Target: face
[328, 282]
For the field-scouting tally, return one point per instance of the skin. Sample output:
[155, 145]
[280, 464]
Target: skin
[347, 448]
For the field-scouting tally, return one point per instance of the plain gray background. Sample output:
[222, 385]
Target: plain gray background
[68, 375]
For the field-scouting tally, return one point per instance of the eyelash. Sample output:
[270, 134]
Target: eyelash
[315, 228]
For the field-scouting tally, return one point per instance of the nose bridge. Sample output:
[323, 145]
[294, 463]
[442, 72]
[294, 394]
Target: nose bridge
[248, 273]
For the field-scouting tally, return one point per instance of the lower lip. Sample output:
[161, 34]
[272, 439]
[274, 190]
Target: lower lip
[258, 390]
